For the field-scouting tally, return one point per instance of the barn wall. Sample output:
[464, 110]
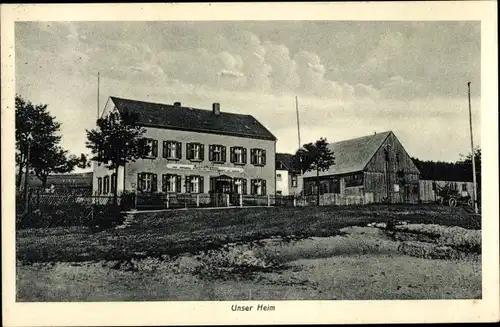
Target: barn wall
[398, 174]
[427, 194]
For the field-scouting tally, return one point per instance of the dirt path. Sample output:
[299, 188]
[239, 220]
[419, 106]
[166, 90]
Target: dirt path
[364, 265]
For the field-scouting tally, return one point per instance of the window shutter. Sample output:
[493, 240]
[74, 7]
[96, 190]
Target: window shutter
[263, 157]
[244, 187]
[154, 183]
[244, 155]
[252, 186]
[99, 185]
[201, 185]
[223, 155]
[202, 152]
[187, 184]
[177, 183]
[164, 183]
[155, 148]
[139, 182]
[210, 152]
[178, 150]
[165, 148]
[231, 155]
[264, 192]
[188, 151]
[252, 156]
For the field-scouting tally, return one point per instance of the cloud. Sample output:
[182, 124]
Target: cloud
[398, 87]
[229, 73]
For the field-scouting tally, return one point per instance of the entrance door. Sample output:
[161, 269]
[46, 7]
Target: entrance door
[220, 188]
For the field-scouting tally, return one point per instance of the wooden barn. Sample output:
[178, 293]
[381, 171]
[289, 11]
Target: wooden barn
[369, 169]
[63, 183]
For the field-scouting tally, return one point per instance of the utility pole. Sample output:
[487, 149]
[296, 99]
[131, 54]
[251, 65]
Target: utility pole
[473, 157]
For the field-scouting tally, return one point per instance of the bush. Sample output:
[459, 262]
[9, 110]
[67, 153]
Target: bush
[105, 216]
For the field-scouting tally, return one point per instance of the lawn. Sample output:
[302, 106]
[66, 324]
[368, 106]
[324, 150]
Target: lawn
[176, 232]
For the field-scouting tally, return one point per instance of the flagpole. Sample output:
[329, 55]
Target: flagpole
[472, 154]
[98, 114]
[300, 145]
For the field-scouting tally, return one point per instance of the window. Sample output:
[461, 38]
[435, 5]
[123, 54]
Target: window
[99, 185]
[279, 192]
[258, 157]
[106, 185]
[278, 177]
[146, 182]
[194, 184]
[240, 185]
[464, 187]
[171, 183]
[113, 182]
[238, 155]
[353, 180]
[217, 153]
[195, 151]
[258, 187]
[294, 180]
[152, 146]
[172, 150]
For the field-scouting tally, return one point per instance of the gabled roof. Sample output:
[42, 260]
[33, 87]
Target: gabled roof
[353, 155]
[289, 161]
[192, 119]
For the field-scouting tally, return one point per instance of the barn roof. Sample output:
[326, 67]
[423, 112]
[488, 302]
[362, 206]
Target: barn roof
[353, 155]
[72, 180]
[192, 119]
[289, 161]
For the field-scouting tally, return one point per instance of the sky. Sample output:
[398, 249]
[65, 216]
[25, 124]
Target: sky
[351, 78]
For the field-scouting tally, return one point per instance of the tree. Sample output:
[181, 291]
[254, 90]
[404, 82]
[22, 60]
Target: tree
[316, 156]
[36, 121]
[55, 160]
[46, 156]
[117, 140]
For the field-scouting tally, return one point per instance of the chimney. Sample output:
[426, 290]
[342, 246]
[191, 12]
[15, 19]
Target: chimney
[177, 104]
[216, 108]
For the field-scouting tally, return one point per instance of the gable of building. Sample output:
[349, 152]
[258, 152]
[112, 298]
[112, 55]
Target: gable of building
[287, 161]
[192, 119]
[399, 160]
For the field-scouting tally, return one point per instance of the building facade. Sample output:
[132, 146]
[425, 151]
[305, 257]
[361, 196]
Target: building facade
[370, 169]
[194, 151]
[287, 175]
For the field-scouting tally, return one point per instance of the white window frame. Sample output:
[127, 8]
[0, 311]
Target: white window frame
[196, 148]
[295, 180]
[171, 150]
[239, 185]
[172, 183]
[149, 143]
[148, 182]
[194, 186]
[217, 153]
[238, 154]
[259, 156]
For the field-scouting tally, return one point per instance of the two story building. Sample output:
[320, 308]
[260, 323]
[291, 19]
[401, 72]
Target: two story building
[194, 151]
[287, 174]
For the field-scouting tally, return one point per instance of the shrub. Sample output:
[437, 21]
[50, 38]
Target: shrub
[105, 216]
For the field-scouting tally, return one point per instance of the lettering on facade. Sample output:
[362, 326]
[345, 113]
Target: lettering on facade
[205, 168]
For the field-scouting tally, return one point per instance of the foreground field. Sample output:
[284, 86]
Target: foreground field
[177, 232]
[258, 253]
[363, 264]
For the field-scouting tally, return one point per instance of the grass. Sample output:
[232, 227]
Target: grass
[174, 233]
[363, 265]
